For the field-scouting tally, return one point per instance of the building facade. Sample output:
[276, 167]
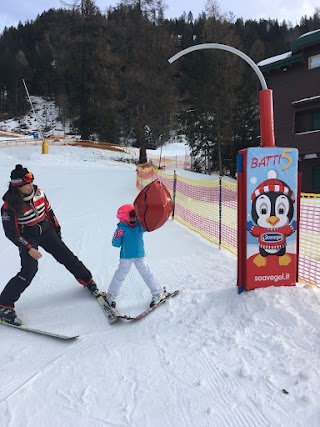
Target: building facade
[294, 78]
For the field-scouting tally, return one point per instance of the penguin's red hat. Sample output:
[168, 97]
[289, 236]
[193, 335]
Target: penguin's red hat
[272, 184]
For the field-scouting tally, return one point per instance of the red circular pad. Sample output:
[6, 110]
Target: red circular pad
[153, 205]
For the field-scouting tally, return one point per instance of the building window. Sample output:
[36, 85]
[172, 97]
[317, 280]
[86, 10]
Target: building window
[313, 62]
[315, 119]
[307, 120]
[316, 178]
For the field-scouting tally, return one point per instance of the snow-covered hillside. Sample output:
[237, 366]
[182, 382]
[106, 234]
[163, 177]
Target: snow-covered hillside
[208, 358]
[42, 117]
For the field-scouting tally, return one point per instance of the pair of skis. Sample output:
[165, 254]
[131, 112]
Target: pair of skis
[111, 314]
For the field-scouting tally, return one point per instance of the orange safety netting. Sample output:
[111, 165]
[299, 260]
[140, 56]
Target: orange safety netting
[196, 205]
[209, 207]
[171, 162]
[199, 205]
[309, 245]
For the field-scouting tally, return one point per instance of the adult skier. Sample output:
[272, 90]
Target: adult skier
[29, 222]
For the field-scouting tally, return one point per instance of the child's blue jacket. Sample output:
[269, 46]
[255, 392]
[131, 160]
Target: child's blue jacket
[130, 239]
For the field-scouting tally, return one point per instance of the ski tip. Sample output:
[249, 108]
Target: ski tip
[62, 337]
[72, 338]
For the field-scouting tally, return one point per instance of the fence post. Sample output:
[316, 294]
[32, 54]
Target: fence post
[220, 211]
[174, 193]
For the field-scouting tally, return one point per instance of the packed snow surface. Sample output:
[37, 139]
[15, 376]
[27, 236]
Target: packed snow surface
[208, 357]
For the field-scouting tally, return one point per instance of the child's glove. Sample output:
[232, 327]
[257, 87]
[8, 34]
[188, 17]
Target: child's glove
[118, 233]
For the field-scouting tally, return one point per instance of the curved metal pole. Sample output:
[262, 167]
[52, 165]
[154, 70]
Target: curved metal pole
[265, 96]
[222, 47]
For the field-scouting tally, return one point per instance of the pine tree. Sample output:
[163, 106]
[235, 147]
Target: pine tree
[146, 95]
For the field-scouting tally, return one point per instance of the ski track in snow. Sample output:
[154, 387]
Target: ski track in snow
[208, 357]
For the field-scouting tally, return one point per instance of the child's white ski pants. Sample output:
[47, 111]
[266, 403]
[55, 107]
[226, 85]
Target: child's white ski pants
[144, 270]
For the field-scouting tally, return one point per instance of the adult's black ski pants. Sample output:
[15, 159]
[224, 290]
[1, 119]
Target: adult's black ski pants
[52, 244]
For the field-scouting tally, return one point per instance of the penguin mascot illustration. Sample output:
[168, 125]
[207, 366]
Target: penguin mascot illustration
[272, 211]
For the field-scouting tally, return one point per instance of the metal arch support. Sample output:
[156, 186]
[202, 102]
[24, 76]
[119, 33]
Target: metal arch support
[265, 95]
[228, 49]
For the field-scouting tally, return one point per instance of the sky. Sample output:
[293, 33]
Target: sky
[291, 10]
[208, 357]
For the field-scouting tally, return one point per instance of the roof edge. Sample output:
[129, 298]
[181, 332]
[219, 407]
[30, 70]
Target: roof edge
[300, 57]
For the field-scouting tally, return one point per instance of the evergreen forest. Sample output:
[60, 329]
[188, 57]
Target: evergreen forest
[108, 72]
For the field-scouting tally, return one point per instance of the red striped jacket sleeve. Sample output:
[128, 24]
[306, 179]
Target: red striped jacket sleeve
[11, 229]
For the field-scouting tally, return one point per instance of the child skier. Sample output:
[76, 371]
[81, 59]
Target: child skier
[129, 236]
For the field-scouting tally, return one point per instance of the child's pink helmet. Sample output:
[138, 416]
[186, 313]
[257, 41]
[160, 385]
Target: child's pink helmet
[126, 213]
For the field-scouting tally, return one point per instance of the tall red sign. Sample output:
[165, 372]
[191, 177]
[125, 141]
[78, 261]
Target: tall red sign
[268, 200]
